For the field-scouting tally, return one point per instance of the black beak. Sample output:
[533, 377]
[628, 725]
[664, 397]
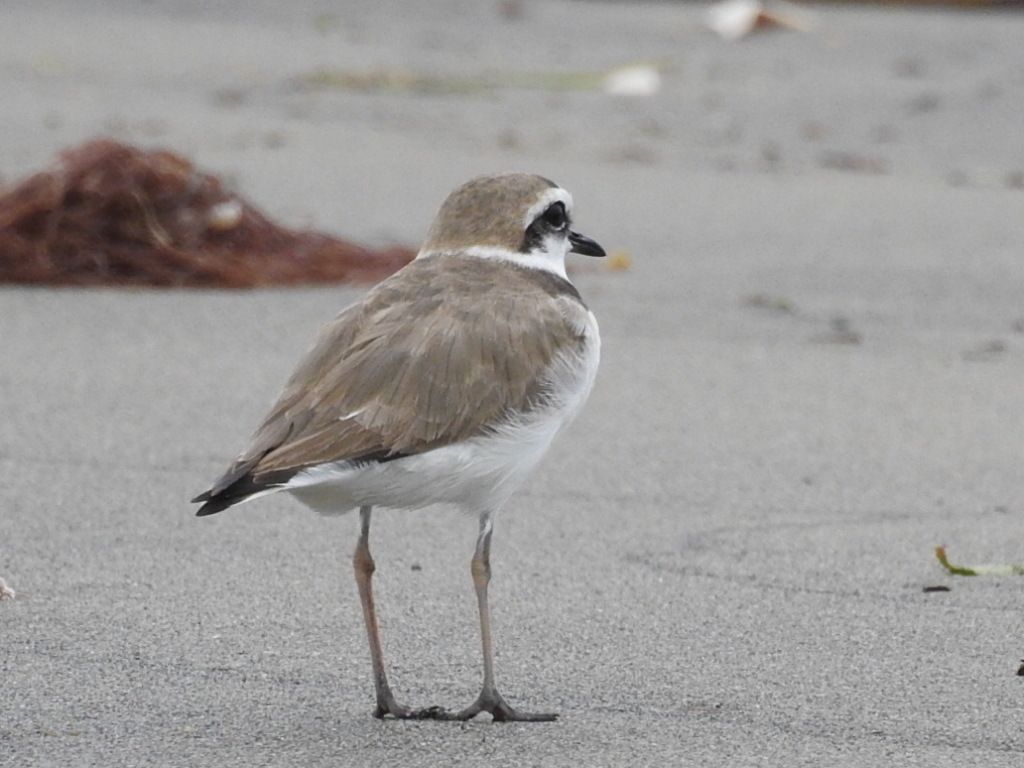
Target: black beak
[584, 245]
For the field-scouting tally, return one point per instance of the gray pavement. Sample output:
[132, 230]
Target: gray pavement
[721, 564]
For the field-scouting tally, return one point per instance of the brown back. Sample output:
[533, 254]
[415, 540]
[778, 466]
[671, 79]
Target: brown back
[440, 352]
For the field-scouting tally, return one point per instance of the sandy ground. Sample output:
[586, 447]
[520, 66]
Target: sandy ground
[812, 376]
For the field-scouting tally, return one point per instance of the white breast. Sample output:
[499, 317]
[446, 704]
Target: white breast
[478, 474]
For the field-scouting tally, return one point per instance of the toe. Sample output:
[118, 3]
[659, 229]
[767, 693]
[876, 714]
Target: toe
[509, 715]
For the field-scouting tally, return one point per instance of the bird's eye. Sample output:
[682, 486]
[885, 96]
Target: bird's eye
[555, 216]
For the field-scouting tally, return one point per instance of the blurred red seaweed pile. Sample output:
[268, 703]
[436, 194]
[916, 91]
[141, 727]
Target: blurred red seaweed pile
[112, 214]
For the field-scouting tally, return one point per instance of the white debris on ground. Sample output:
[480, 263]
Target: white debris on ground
[634, 80]
[735, 19]
[5, 591]
[224, 216]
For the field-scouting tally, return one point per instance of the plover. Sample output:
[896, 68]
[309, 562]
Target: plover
[445, 383]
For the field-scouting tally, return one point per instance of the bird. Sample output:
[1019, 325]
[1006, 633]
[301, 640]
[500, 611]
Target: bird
[444, 384]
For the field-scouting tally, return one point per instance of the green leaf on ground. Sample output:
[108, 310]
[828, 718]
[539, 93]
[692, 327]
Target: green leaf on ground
[998, 569]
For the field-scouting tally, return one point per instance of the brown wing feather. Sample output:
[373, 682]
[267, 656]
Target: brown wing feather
[436, 354]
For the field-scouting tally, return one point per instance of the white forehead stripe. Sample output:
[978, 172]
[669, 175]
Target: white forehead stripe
[551, 195]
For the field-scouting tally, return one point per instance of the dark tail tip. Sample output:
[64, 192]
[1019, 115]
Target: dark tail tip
[236, 487]
[213, 506]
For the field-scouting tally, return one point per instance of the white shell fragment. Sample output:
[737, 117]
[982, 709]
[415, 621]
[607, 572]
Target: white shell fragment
[735, 19]
[5, 591]
[224, 216]
[634, 80]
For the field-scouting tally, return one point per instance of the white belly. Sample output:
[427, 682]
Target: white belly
[478, 474]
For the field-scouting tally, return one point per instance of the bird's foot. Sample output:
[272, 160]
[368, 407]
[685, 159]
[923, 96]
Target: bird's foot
[492, 702]
[388, 707]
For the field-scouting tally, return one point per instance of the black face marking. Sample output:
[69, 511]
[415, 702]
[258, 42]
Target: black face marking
[553, 219]
[555, 216]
